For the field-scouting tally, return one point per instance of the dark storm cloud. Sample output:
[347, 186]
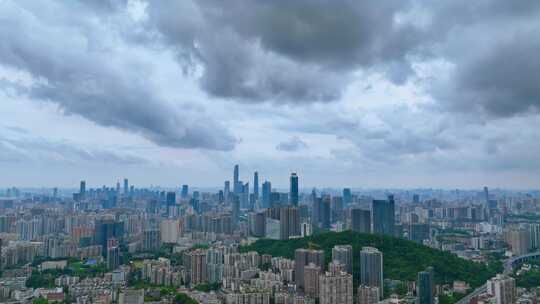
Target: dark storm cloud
[85, 75]
[292, 145]
[299, 51]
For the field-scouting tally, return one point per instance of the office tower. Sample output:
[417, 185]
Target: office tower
[302, 258]
[325, 212]
[371, 268]
[311, 280]
[171, 198]
[503, 288]
[227, 190]
[151, 240]
[118, 187]
[266, 190]
[344, 255]
[106, 229]
[294, 189]
[336, 208]
[335, 286]
[126, 187]
[425, 287]
[235, 209]
[257, 224]
[113, 258]
[244, 196]
[289, 222]
[383, 216]
[256, 186]
[185, 191]
[486, 195]
[368, 295]
[360, 220]
[198, 267]
[315, 209]
[347, 197]
[236, 188]
[82, 190]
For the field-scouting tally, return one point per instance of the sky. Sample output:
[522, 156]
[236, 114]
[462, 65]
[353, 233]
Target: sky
[363, 94]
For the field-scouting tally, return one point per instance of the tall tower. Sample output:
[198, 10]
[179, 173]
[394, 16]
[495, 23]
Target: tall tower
[371, 268]
[126, 186]
[266, 190]
[82, 189]
[256, 186]
[236, 188]
[384, 216]
[424, 289]
[294, 189]
[343, 254]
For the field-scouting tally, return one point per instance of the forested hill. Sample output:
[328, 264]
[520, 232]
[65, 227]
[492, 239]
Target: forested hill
[403, 259]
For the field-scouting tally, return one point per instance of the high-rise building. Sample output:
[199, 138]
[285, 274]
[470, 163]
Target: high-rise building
[418, 232]
[131, 296]
[126, 187]
[335, 286]
[170, 230]
[235, 209]
[256, 186]
[347, 197]
[227, 190]
[198, 269]
[171, 198]
[519, 241]
[343, 254]
[368, 295]
[503, 288]
[425, 287]
[360, 220]
[113, 258]
[289, 222]
[384, 216]
[151, 240]
[325, 212]
[311, 280]
[371, 268]
[257, 224]
[302, 258]
[236, 180]
[294, 189]
[266, 191]
[82, 190]
[106, 229]
[185, 192]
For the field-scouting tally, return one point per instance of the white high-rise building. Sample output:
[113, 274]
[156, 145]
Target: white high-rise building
[503, 288]
[170, 230]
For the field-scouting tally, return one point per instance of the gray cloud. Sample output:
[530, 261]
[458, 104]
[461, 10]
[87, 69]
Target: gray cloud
[88, 73]
[286, 51]
[293, 144]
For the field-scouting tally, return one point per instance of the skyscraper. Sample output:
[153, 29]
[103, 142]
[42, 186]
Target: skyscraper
[289, 222]
[106, 229]
[347, 197]
[294, 189]
[236, 185]
[360, 220]
[126, 187]
[311, 280]
[235, 209]
[266, 191]
[113, 258]
[171, 198]
[302, 258]
[343, 255]
[256, 186]
[503, 288]
[227, 190]
[82, 190]
[371, 268]
[325, 212]
[384, 216]
[185, 191]
[425, 287]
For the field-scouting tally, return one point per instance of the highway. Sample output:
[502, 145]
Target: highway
[508, 269]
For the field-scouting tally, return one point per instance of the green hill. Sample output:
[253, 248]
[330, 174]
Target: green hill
[402, 259]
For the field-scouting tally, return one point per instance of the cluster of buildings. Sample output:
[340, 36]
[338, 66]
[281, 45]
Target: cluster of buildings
[184, 238]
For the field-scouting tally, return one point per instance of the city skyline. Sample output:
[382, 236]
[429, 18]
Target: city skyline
[398, 99]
